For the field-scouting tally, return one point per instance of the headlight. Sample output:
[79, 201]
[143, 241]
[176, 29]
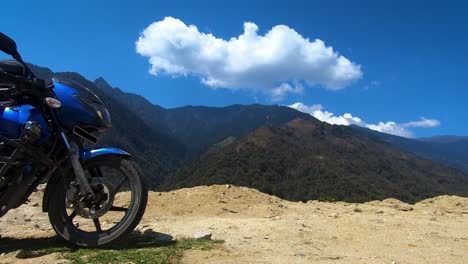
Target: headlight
[103, 114]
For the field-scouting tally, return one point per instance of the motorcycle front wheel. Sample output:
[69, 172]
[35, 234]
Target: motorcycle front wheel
[117, 208]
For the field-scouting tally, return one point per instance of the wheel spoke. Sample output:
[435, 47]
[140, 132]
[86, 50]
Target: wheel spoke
[72, 215]
[119, 185]
[118, 209]
[96, 172]
[99, 171]
[97, 224]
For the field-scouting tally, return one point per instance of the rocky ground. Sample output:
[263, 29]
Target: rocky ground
[258, 228]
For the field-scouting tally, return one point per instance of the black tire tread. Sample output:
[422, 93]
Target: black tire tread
[144, 197]
[129, 165]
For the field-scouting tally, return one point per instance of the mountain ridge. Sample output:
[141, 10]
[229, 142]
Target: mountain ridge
[302, 160]
[450, 150]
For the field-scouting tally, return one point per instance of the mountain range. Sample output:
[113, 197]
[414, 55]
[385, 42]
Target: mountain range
[450, 150]
[309, 160]
[276, 149]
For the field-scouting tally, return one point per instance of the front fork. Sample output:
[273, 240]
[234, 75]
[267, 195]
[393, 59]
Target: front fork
[84, 187]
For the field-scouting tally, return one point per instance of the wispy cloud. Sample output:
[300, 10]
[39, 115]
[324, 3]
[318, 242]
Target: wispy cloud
[275, 63]
[372, 84]
[390, 127]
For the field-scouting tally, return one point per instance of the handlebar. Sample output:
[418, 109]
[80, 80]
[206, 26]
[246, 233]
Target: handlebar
[8, 77]
[35, 87]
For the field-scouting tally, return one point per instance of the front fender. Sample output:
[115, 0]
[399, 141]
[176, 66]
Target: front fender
[85, 155]
[96, 152]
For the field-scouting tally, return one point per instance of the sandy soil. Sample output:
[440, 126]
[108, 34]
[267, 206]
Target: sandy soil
[258, 228]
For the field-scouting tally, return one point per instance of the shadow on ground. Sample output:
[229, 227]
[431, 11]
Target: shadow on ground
[36, 247]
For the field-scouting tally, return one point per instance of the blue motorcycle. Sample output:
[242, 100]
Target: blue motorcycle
[93, 195]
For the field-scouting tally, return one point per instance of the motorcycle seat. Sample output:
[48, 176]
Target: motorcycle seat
[12, 67]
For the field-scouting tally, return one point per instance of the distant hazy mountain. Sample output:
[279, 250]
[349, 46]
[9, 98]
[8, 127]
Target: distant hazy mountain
[306, 159]
[200, 127]
[197, 128]
[152, 115]
[451, 150]
[449, 139]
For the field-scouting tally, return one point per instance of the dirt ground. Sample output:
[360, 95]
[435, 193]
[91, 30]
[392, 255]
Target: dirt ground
[258, 228]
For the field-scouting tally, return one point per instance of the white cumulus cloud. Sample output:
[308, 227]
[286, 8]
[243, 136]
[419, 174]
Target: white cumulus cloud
[390, 127]
[275, 63]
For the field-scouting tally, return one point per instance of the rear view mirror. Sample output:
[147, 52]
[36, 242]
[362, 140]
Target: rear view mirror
[8, 46]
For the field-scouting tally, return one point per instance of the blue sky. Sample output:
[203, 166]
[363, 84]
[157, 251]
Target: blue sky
[412, 56]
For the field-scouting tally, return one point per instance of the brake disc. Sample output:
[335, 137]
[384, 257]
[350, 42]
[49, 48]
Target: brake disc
[92, 209]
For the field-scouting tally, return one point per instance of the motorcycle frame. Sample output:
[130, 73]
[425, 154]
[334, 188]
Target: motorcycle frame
[14, 197]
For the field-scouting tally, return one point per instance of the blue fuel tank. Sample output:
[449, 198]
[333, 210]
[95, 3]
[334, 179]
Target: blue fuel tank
[14, 118]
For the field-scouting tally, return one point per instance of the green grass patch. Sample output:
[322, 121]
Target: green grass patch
[132, 249]
[329, 199]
